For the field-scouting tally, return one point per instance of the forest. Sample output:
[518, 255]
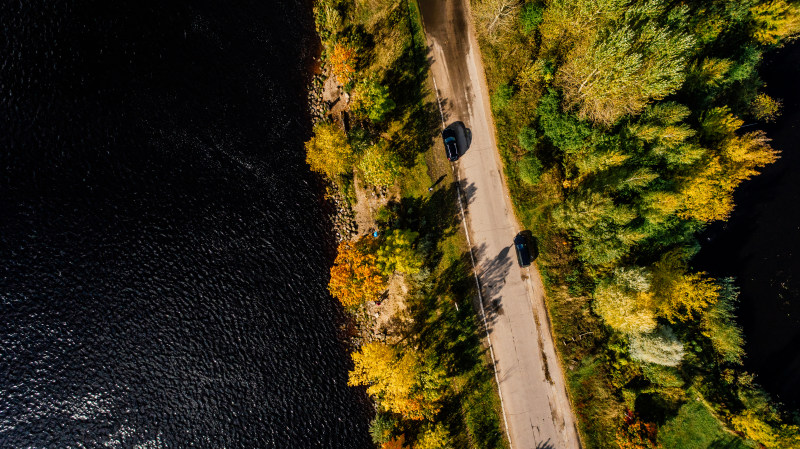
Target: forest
[625, 127]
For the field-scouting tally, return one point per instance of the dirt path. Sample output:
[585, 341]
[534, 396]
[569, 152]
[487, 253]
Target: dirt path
[529, 376]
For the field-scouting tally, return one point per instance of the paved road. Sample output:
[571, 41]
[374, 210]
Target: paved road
[532, 387]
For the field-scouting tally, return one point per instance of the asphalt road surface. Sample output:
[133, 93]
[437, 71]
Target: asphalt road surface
[531, 382]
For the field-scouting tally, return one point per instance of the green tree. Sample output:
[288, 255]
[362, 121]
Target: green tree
[382, 427]
[600, 225]
[328, 151]
[379, 165]
[528, 138]
[641, 57]
[502, 97]
[531, 16]
[371, 100]
[564, 130]
[397, 253]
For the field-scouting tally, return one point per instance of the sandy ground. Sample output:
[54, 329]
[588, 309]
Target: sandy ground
[531, 382]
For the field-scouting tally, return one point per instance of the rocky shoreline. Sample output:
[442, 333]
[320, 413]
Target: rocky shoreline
[342, 214]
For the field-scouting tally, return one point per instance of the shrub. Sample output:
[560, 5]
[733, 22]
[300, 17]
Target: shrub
[528, 138]
[530, 169]
[765, 108]
[502, 97]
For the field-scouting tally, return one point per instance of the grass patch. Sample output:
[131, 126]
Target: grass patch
[694, 427]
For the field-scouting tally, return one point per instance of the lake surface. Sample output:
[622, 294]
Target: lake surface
[163, 246]
[760, 244]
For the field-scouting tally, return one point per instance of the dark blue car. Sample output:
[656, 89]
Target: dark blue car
[523, 248]
[450, 144]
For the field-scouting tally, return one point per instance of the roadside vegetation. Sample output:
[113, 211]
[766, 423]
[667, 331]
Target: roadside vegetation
[405, 276]
[624, 127]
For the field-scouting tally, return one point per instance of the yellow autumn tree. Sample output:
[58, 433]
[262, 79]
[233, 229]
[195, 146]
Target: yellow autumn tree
[397, 253]
[328, 151]
[754, 428]
[707, 195]
[775, 20]
[434, 437]
[625, 303]
[397, 379]
[681, 296]
[707, 191]
[355, 277]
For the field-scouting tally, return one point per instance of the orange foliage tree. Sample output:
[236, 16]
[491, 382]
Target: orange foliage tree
[397, 443]
[343, 61]
[355, 277]
[635, 434]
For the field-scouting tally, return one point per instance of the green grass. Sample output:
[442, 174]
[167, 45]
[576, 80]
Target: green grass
[694, 427]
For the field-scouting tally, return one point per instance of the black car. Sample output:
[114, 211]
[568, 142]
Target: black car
[450, 144]
[523, 250]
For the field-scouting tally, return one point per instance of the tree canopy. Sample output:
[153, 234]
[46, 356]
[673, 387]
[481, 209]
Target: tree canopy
[328, 151]
[355, 277]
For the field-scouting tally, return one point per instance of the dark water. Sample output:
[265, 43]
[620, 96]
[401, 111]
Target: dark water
[760, 244]
[163, 252]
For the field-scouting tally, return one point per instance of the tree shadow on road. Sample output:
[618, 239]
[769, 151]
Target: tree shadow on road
[492, 279]
[545, 445]
[448, 325]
